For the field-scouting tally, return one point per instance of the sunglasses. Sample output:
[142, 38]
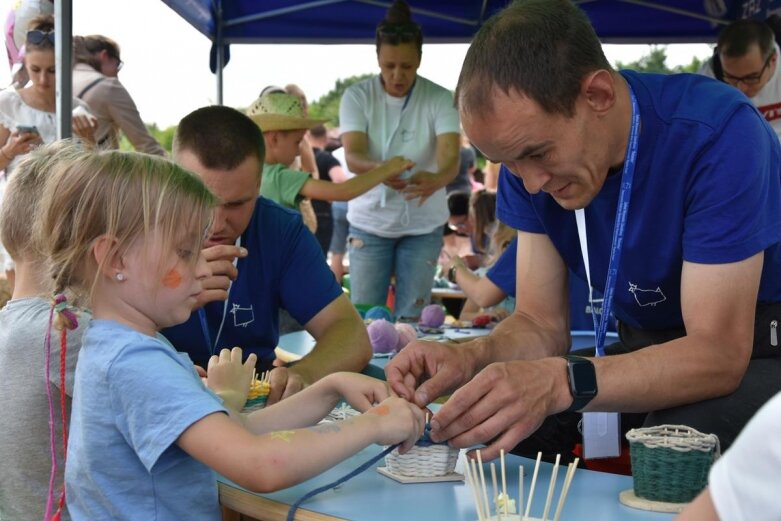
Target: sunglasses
[37, 37]
[401, 31]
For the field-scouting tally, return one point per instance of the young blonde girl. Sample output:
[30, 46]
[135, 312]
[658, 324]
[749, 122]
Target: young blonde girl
[146, 435]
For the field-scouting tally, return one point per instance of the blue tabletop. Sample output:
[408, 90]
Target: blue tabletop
[372, 496]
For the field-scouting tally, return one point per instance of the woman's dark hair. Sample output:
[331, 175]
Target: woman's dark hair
[482, 206]
[398, 28]
[86, 49]
[40, 24]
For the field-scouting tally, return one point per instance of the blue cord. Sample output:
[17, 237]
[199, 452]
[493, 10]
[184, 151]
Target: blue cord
[292, 512]
[424, 441]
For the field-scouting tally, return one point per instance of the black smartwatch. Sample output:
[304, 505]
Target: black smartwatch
[582, 380]
[451, 273]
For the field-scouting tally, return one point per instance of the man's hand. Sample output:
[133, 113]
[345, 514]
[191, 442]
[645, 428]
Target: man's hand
[220, 259]
[506, 402]
[422, 185]
[423, 371]
[284, 382]
[230, 378]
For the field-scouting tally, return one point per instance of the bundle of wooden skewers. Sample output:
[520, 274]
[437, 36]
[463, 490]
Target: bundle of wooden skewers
[504, 506]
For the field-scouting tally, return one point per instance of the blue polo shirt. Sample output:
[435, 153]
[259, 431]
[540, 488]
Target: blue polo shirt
[707, 189]
[284, 268]
[502, 273]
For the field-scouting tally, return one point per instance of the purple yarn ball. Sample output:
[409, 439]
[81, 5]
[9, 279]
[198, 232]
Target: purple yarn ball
[432, 316]
[407, 334]
[383, 336]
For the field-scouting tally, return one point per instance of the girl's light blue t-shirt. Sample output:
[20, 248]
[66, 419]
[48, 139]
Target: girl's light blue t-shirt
[134, 396]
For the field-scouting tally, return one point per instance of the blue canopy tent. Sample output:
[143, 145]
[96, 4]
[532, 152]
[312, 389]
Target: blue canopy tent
[226, 22]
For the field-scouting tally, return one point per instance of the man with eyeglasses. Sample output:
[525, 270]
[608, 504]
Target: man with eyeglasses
[747, 58]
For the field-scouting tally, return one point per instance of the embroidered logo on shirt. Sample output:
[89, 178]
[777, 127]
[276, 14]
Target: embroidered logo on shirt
[647, 297]
[242, 317]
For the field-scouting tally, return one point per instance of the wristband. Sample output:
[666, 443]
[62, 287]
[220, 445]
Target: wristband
[451, 273]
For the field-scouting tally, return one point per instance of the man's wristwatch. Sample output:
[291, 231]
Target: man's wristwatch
[582, 380]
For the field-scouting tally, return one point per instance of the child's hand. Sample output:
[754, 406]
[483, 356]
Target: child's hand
[229, 378]
[360, 391]
[394, 167]
[399, 422]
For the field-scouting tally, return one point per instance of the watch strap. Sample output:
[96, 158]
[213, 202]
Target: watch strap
[579, 400]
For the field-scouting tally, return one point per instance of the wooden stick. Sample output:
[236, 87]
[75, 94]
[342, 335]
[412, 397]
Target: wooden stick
[482, 483]
[475, 476]
[534, 482]
[520, 490]
[551, 488]
[567, 482]
[473, 488]
[495, 491]
[504, 481]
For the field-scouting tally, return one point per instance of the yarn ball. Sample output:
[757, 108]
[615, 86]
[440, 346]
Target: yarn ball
[481, 321]
[378, 313]
[383, 336]
[432, 316]
[407, 334]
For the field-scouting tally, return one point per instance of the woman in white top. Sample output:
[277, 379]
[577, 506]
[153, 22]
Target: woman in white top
[28, 115]
[397, 227]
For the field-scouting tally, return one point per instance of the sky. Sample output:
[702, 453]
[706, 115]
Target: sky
[167, 73]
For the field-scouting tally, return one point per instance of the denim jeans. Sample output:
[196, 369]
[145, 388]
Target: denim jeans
[413, 258]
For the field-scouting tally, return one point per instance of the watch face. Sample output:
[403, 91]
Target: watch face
[584, 378]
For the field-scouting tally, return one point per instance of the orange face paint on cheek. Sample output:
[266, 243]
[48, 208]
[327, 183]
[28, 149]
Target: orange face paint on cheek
[172, 279]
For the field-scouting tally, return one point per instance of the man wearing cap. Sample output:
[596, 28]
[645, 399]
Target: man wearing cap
[262, 260]
[282, 120]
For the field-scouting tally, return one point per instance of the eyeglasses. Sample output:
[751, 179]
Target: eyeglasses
[37, 37]
[120, 63]
[749, 79]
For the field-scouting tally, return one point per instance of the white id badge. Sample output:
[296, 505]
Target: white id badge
[601, 432]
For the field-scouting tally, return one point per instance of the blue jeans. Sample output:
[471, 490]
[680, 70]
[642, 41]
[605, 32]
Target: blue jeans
[413, 258]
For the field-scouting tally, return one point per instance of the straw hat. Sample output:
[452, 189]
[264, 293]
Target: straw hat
[280, 111]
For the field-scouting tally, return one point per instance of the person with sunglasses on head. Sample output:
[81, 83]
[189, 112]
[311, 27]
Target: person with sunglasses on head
[28, 115]
[97, 65]
[397, 226]
[746, 57]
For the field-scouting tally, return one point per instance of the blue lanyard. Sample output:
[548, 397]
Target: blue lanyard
[627, 177]
[205, 330]
[202, 314]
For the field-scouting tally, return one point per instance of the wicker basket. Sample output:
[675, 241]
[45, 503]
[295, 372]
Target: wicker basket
[255, 404]
[430, 461]
[670, 463]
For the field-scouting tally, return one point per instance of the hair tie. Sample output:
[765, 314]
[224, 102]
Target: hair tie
[66, 317]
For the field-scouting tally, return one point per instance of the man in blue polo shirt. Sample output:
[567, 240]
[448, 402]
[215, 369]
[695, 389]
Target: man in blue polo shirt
[262, 259]
[689, 176]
